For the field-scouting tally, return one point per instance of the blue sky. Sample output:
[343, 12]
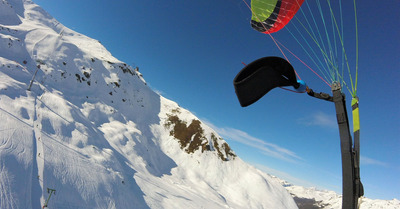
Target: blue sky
[190, 51]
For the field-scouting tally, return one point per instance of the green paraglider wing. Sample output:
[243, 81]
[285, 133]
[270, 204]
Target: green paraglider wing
[261, 76]
[270, 16]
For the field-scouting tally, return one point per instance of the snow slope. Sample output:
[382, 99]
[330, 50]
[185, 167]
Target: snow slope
[93, 131]
[312, 198]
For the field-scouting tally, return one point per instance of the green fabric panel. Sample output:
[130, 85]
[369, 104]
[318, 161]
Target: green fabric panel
[356, 115]
[262, 9]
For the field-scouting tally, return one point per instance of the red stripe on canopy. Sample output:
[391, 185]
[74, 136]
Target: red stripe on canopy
[287, 10]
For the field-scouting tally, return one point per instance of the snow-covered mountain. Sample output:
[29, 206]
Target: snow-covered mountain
[89, 132]
[312, 198]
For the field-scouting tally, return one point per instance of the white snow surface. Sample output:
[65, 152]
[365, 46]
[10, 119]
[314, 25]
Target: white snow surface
[93, 131]
[331, 200]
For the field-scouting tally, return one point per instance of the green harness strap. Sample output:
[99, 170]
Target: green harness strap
[356, 131]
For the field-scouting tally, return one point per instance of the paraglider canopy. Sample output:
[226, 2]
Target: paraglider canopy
[270, 16]
[326, 37]
[261, 76]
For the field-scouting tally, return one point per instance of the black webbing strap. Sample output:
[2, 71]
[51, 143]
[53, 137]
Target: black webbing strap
[352, 188]
[349, 200]
[321, 95]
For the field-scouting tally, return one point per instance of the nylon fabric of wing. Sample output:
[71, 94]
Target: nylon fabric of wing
[261, 76]
[270, 16]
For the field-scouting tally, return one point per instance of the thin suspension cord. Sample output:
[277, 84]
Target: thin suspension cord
[334, 40]
[315, 39]
[275, 41]
[327, 38]
[333, 33]
[341, 22]
[321, 49]
[345, 55]
[248, 6]
[306, 19]
[328, 58]
[319, 33]
[355, 16]
[312, 50]
[335, 56]
[332, 56]
[305, 64]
